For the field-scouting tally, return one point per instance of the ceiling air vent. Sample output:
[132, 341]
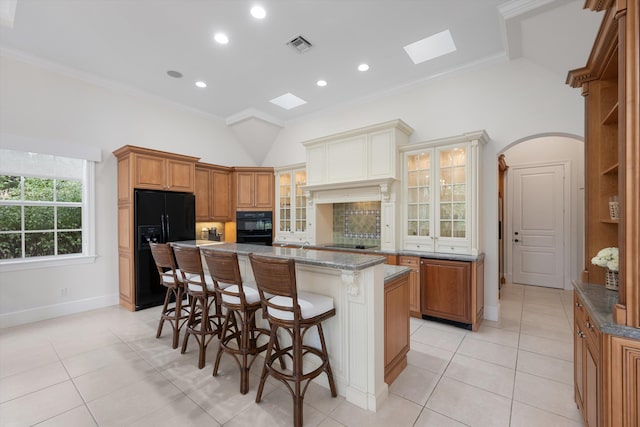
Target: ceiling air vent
[300, 44]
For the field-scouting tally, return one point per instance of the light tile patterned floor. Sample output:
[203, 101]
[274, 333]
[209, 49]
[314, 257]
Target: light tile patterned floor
[106, 368]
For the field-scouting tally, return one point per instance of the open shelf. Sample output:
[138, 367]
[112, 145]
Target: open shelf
[611, 170]
[611, 118]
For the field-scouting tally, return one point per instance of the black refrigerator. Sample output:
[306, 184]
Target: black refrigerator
[160, 216]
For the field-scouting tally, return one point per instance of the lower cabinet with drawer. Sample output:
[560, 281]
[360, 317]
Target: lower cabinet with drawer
[453, 290]
[413, 262]
[587, 375]
[606, 367]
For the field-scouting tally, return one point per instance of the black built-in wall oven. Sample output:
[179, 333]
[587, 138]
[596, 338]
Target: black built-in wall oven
[254, 227]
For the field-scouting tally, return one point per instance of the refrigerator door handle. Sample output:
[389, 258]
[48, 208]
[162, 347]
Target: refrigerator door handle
[163, 230]
[167, 227]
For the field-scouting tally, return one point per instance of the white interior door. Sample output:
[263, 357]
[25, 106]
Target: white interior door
[538, 225]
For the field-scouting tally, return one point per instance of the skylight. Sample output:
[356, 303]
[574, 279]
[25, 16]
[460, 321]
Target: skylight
[431, 47]
[288, 101]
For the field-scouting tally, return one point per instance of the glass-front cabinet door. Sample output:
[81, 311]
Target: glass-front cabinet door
[300, 202]
[291, 215]
[452, 167]
[419, 194]
[441, 196]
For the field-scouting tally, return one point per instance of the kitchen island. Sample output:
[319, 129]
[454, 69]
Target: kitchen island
[356, 334]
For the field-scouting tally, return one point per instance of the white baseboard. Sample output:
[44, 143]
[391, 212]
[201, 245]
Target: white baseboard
[491, 312]
[16, 318]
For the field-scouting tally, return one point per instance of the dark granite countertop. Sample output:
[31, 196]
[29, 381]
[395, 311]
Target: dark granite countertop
[329, 259]
[599, 302]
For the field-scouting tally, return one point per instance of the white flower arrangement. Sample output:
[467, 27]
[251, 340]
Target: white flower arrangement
[607, 257]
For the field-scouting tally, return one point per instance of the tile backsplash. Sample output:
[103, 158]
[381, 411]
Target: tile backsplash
[357, 223]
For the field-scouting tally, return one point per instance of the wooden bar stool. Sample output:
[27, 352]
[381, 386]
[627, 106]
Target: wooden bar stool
[171, 278]
[295, 312]
[239, 336]
[202, 323]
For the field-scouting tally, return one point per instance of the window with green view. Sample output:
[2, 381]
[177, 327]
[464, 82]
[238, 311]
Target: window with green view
[41, 205]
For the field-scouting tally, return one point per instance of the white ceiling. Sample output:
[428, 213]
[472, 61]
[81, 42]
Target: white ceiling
[135, 42]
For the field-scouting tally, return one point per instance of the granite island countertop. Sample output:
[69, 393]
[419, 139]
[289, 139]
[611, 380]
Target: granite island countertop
[329, 259]
[392, 272]
[599, 302]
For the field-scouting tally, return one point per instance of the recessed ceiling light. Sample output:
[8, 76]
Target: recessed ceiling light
[201, 84]
[363, 67]
[174, 74]
[258, 12]
[288, 101]
[321, 83]
[221, 38]
[431, 47]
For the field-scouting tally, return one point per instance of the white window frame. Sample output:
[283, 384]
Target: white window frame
[89, 158]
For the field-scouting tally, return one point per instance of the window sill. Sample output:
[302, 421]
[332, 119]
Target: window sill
[30, 264]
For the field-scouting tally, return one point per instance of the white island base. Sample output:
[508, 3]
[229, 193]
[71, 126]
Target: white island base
[355, 335]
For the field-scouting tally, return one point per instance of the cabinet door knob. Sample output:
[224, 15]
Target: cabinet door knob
[580, 333]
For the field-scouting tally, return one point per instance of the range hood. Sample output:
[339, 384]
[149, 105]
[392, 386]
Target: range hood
[371, 190]
[357, 165]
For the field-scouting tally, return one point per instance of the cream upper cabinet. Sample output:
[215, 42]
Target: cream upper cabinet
[440, 194]
[364, 154]
[291, 214]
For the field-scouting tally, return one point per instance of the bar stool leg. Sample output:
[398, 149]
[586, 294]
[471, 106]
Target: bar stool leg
[177, 313]
[190, 321]
[325, 354]
[164, 311]
[246, 345]
[265, 368]
[225, 327]
[204, 326]
[297, 373]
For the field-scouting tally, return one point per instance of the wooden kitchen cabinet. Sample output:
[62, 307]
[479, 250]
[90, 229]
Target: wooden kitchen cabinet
[609, 83]
[163, 171]
[253, 188]
[606, 361]
[213, 192]
[148, 169]
[453, 290]
[396, 327]
[624, 399]
[413, 262]
[446, 291]
[587, 374]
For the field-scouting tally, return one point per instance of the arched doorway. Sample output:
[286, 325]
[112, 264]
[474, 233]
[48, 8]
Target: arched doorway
[543, 197]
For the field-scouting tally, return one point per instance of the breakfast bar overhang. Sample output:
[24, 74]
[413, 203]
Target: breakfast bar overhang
[355, 335]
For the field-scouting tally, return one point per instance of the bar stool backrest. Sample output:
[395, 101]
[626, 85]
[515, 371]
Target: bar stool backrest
[190, 265]
[276, 276]
[224, 269]
[165, 263]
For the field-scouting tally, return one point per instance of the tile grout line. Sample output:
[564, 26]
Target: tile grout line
[515, 368]
[85, 403]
